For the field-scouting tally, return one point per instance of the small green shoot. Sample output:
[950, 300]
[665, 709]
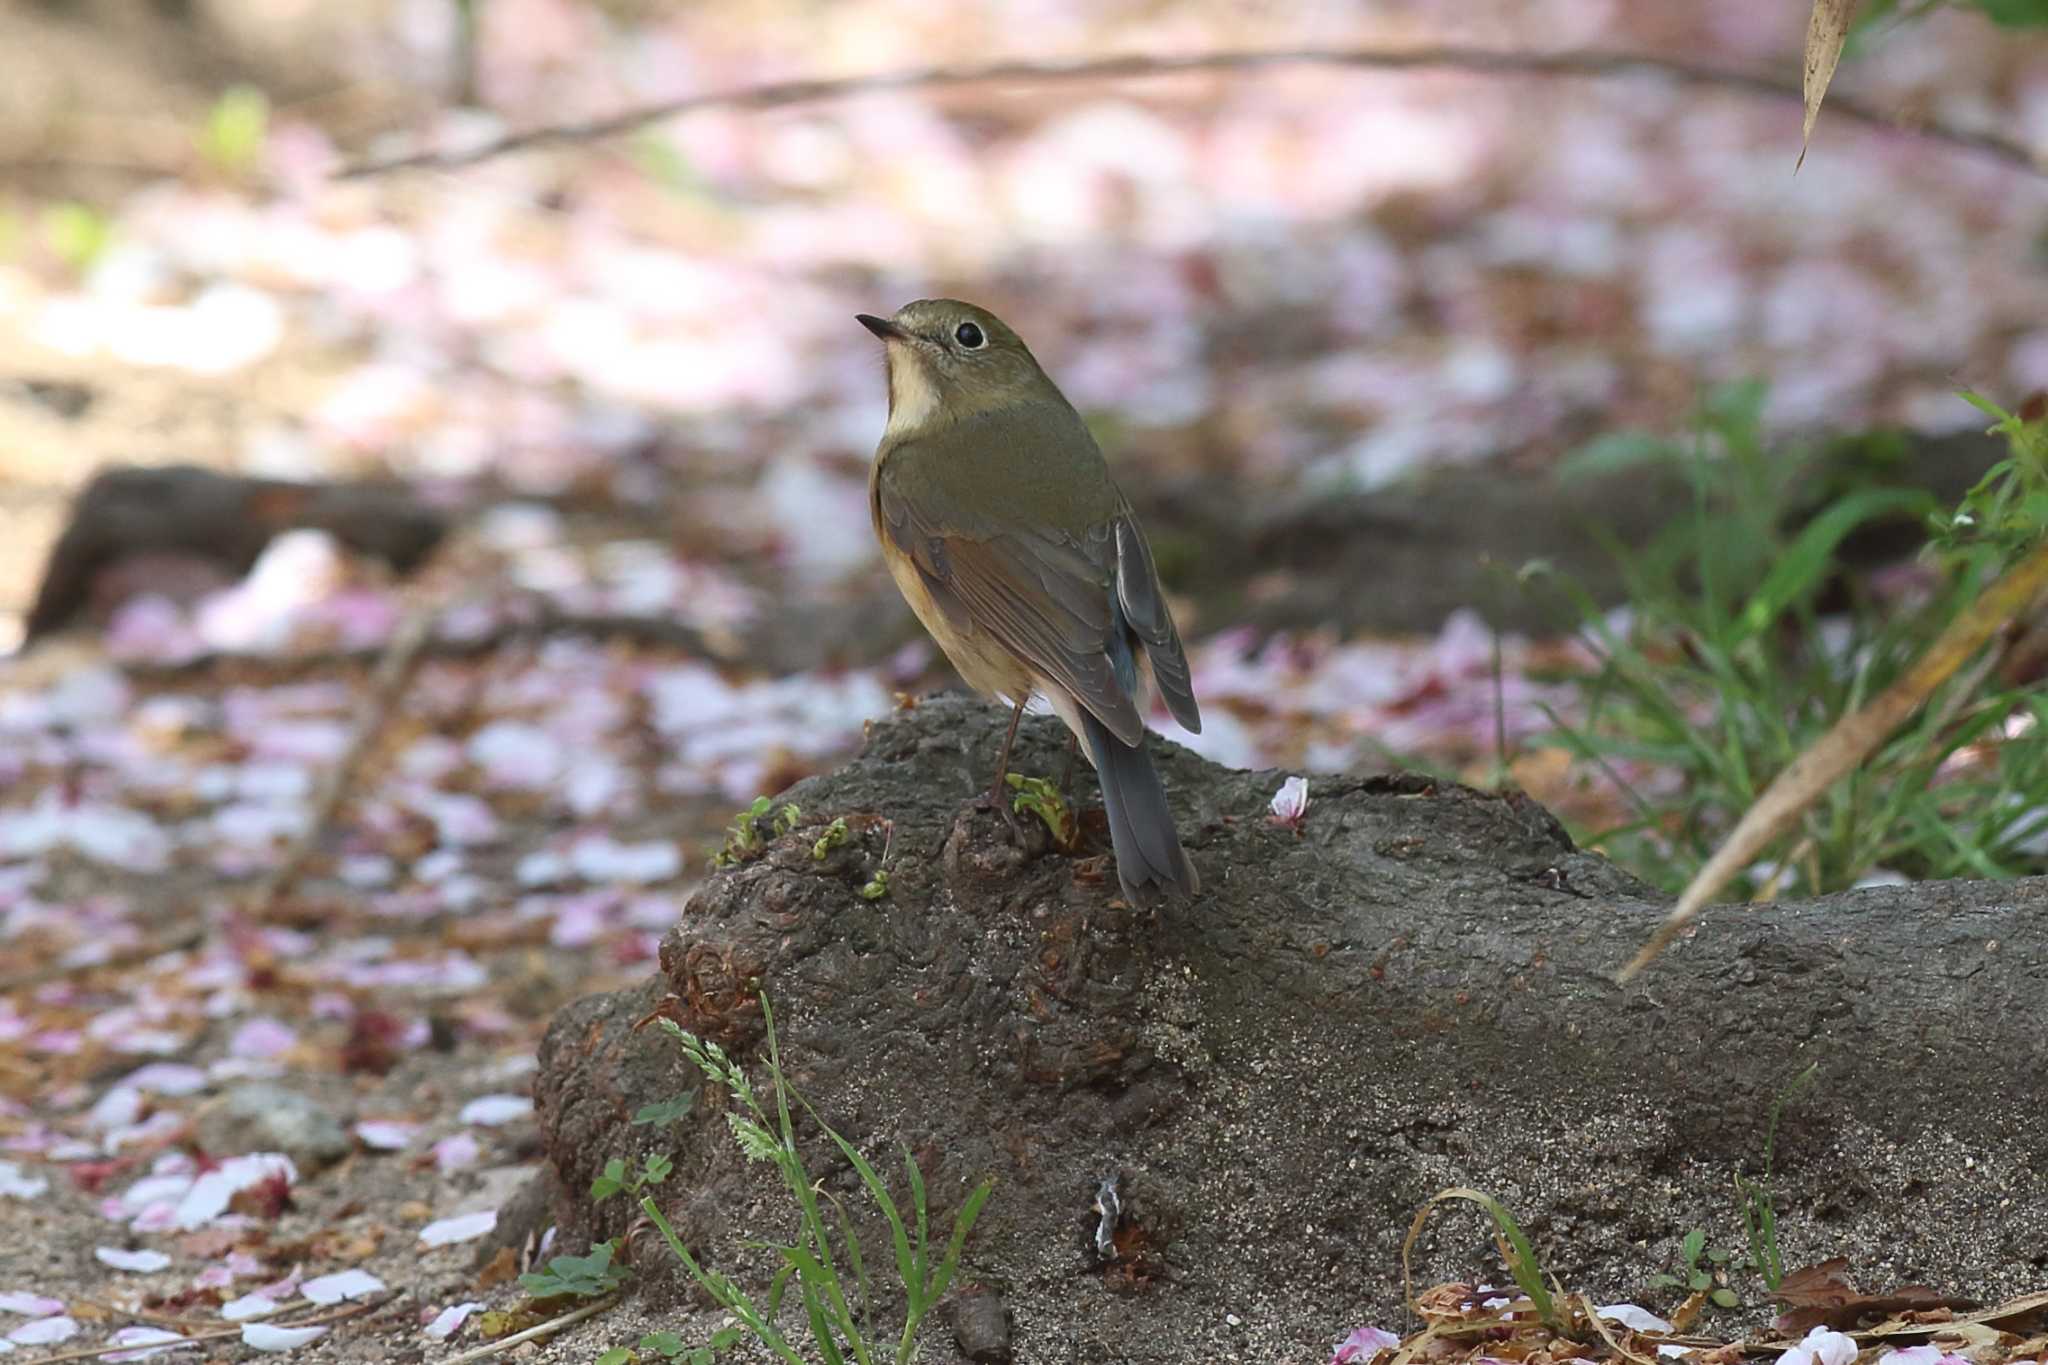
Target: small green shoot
[878, 885]
[744, 839]
[670, 1347]
[77, 234]
[664, 1112]
[1759, 1204]
[235, 130]
[1036, 796]
[835, 836]
[582, 1277]
[662, 161]
[1514, 1250]
[654, 1169]
[1696, 1277]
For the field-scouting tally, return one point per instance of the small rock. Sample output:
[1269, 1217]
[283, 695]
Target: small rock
[261, 1117]
[981, 1326]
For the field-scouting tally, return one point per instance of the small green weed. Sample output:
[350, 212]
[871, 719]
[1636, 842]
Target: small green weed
[77, 234]
[835, 836]
[664, 1112]
[878, 885]
[583, 1277]
[236, 128]
[744, 837]
[1036, 796]
[654, 1169]
[1700, 1269]
[655, 152]
[1759, 1205]
[837, 1295]
[668, 1346]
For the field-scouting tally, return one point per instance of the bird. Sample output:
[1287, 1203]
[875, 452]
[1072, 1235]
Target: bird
[1016, 550]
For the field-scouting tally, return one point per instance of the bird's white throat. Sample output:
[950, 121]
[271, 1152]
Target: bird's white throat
[913, 398]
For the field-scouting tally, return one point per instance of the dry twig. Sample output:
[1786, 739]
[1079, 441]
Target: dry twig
[394, 670]
[1442, 57]
[1848, 743]
[548, 1328]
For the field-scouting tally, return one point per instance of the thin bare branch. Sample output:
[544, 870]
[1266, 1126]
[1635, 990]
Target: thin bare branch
[394, 670]
[781, 94]
[545, 1329]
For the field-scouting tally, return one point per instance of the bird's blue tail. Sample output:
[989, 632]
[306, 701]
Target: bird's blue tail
[1149, 858]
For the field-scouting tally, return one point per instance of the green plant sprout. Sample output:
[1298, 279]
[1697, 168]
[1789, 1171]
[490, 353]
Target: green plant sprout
[668, 1346]
[236, 128]
[664, 1112]
[653, 1170]
[1036, 796]
[1514, 1247]
[1759, 1204]
[839, 1332]
[835, 836]
[1699, 1278]
[584, 1277]
[744, 839]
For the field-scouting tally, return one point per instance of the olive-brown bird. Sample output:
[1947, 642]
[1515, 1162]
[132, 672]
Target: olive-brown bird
[1001, 525]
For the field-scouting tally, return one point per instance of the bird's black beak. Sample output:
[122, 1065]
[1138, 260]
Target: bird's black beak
[881, 327]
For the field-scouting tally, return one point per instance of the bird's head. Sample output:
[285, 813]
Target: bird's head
[949, 360]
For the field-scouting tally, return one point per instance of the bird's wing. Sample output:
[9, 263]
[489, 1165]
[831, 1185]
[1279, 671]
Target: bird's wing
[1144, 608]
[1051, 599]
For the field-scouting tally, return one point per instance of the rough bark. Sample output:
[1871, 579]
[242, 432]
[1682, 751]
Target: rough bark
[1414, 991]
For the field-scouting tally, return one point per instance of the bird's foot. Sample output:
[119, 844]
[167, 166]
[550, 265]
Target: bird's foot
[988, 801]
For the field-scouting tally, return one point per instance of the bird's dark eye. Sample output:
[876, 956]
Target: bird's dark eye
[968, 335]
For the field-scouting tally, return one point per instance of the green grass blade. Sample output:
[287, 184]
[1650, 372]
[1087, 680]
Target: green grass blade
[727, 1297]
[1515, 1250]
[905, 1263]
[962, 1225]
[860, 1270]
[814, 1307]
[1802, 566]
[921, 1253]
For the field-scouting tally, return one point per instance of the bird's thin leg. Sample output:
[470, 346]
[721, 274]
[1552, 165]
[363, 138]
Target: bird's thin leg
[998, 794]
[1067, 773]
[995, 789]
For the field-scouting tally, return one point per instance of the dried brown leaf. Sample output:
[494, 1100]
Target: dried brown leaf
[500, 1269]
[1822, 1296]
[1688, 1313]
[1827, 28]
